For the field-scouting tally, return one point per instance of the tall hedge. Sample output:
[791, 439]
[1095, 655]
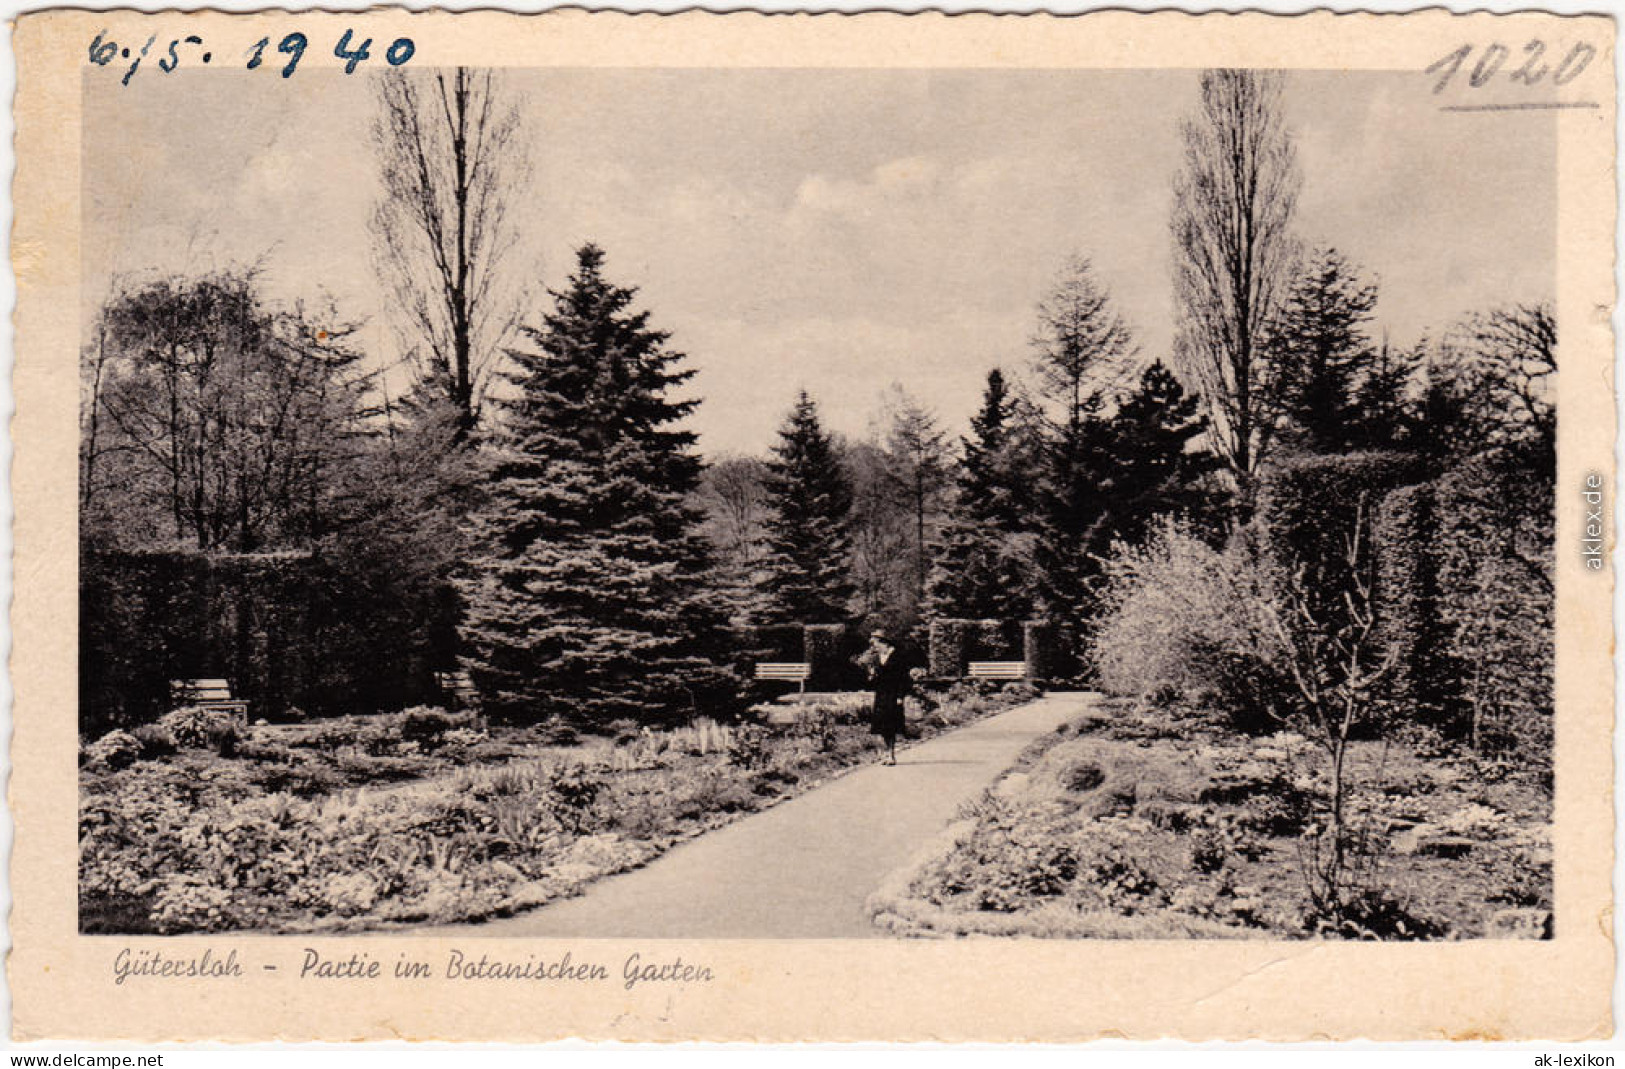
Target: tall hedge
[950, 644]
[1049, 649]
[1495, 552]
[1409, 630]
[1310, 506]
[825, 649]
[1465, 604]
[286, 630]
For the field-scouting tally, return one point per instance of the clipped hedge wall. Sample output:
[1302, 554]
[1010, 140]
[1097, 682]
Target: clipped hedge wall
[1049, 649]
[949, 647]
[825, 649]
[1310, 505]
[1495, 554]
[1465, 604]
[1407, 604]
[287, 630]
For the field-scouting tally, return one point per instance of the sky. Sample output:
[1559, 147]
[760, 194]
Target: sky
[838, 231]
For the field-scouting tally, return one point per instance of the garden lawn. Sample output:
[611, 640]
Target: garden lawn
[1142, 825]
[424, 817]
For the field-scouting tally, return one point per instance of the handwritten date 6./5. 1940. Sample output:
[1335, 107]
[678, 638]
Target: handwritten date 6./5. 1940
[103, 51]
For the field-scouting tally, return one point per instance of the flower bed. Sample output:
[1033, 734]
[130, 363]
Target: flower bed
[426, 818]
[1137, 826]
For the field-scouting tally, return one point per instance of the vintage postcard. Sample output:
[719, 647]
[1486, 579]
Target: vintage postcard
[889, 527]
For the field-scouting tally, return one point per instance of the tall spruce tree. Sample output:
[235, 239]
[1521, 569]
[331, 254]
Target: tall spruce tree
[982, 564]
[809, 540]
[1320, 353]
[589, 600]
[1077, 485]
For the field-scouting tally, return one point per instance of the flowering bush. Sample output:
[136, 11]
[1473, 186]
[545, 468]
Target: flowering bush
[1178, 615]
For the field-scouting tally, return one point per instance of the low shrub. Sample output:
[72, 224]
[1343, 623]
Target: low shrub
[305, 776]
[748, 748]
[187, 903]
[155, 741]
[1006, 863]
[1374, 913]
[1019, 692]
[196, 727]
[817, 723]
[623, 731]
[714, 790]
[571, 794]
[113, 751]
[262, 748]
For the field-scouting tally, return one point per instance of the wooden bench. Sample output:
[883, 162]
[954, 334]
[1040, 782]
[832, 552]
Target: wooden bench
[206, 694]
[785, 671]
[997, 670]
[459, 687]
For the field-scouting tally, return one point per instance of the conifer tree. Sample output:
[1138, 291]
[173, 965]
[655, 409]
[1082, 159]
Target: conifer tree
[1082, 340]
[589, 601]
[1321, 353]
[1076, 487]
[1155, 472]
[809, 540]
[1382, 407]
[982, 568]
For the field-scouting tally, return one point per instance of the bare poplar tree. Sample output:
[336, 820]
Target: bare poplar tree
[1233, 253]
[450, 158]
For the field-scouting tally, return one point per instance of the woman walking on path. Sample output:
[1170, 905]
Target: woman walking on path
[888, 673]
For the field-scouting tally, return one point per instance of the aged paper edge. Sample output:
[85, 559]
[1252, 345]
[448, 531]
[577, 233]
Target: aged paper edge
[815, 991]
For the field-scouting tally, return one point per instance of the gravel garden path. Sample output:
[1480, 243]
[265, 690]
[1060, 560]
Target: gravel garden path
[802, 869]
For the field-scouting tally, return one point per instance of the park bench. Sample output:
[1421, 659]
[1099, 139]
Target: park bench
[785, 671]
[459, 687]
[997, 670]
[206, 694]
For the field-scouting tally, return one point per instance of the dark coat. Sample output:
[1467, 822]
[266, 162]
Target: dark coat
[891, 681]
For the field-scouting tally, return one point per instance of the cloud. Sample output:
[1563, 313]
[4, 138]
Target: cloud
[887, 185]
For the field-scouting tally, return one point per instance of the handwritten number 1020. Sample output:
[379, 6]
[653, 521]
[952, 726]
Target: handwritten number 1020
[294, 44]
[1531, 69]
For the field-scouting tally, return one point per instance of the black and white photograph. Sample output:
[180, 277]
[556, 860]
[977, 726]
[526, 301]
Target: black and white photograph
[772, 503]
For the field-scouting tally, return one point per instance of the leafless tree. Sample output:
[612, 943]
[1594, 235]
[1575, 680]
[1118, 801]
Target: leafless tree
[734, 496]
[451, 162]
[1510, 355]
[1331, 656]
[1233, 205]
[918, 472]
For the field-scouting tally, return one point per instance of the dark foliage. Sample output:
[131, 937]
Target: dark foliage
[288, 630]
[809, 540]
[588, 597]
